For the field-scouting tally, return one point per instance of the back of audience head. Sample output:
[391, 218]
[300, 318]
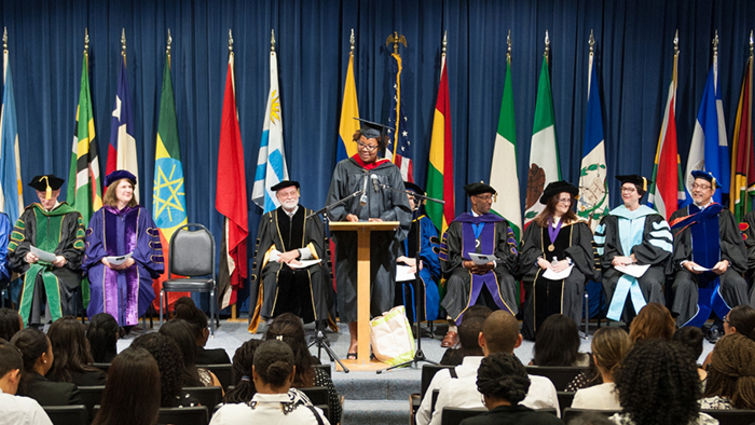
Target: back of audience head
[556, 342]
[469, 333]
[692, 338]
[36, 351]
[103, 332]
[658, 384]
[502, 379]
[180, 331]
[609, 346]
[10, 323]
[654, 321]
[241, 372]
[132, 391]
[169, 362]
[288, 328]
[273, 369]
[741, 319]
[731, 372]
[186, 309]
[11, 368]
[500, 333]
[71, 348]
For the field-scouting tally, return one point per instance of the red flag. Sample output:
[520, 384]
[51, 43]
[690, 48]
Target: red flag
[230, 198]
[742, 159]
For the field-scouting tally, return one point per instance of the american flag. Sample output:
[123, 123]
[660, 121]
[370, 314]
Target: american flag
[398, 149]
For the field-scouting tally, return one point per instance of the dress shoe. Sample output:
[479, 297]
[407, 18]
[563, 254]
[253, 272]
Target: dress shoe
[450, 340]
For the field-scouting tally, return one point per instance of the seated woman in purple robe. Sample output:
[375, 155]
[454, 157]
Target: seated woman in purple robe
[123, 253]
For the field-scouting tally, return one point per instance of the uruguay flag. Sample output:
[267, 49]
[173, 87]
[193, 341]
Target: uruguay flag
[121, 153]
[709, 149]
[271, 161]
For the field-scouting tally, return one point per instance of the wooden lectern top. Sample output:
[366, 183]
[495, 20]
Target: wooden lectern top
[363, 225]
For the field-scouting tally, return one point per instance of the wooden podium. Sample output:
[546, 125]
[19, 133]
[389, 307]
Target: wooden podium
[363, 229]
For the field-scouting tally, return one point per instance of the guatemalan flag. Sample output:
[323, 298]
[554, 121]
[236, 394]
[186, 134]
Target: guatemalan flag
[709, 149]
[271, 161]
[121, 154]
[398, 147]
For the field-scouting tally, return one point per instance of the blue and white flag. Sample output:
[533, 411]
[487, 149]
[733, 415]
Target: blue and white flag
[271, 161]
[11, 197]
[122, 149]
[593, 190]
[709, 149]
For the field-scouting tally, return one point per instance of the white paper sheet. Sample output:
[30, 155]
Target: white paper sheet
[563, 274]
[634, 270]
[43, 255]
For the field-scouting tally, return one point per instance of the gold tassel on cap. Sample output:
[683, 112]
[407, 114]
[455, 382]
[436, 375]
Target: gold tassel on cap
[48, 189]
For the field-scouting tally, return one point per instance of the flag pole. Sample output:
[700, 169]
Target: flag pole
[234, 312]
[547, 47]
[123, 45]
[168, 43]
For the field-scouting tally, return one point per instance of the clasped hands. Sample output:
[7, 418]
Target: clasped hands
[123, 266]
[60, 260]
[289, 257]
[557, 267]
[477, 268]
[411, 262]
[719, 268]
[353, 218]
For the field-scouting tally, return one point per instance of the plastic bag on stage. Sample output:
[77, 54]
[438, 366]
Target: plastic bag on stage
[391, 337]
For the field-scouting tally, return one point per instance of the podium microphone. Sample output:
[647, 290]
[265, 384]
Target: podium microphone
[363, 198]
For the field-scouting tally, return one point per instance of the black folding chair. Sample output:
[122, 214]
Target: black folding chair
[222, 371]
[559, 375]
[454, 415]
[183, 416]
[570, 413]
[733, 416]
[68, 415]
[91, 396]
[206, 396]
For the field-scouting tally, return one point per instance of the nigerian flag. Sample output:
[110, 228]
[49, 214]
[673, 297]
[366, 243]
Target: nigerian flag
[503, 171]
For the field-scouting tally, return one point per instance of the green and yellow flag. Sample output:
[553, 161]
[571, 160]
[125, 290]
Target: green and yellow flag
[168, 194]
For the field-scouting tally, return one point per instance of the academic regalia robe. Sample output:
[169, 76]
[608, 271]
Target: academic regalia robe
[422, 231]
[124, 294]
[644, 233]
[281, 289]
[385, 199]
[60, 231]
[732, 288]
[544, 296]
[465, 289]
[748, 233]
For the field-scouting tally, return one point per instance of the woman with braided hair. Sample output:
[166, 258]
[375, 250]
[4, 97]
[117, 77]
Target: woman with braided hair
[170, 364]
[503, 383]
[731, 374]
[241, 372]
[658, 385]
[609, 345]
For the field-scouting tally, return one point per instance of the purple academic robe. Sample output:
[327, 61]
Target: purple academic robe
[125, 294]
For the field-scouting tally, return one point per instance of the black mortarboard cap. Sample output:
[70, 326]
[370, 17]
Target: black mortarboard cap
[371, 129]
[414, 188]
[554, 188]
[477, 188]
[46, 183]
[284, 184]
[119, 174]
[638, 180]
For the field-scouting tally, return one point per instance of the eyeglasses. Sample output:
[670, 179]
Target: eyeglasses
[485, 197]
[701, 186]
[366, 147]
[628, 189]
[565, 200]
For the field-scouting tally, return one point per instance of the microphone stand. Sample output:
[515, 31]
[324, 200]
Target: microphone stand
[419, 355]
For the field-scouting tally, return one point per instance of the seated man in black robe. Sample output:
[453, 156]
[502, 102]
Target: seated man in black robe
[708, 258]
[286, 238]
[469, 282]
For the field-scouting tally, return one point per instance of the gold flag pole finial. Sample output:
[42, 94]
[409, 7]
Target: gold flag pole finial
[86, 40]
[395, 39]
[508, 45]
[444, 44]
[230, 41]
[592, 42]
[752, 43]
[715, 43]
[676, 42]
[352, 42]
[5, 39]
[123, 42]
[168, 43]
[547, 45]
[272, 40]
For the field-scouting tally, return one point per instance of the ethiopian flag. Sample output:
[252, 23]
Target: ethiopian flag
[440, 173]
[168, 201]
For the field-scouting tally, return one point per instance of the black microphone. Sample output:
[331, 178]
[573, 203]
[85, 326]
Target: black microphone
[363, 198]
[375, 182]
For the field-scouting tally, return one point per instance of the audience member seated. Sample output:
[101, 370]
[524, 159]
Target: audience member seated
[181, 332]
[170, 364]
[557, 343]
[468, 283]
[10, 323]
[186, 309]
[275, 401]
[692, 338]
[132, 392]
[36, 351]
[287, 236]
[609, 345]
[555, 241]
[658, 385]
[288, 328]
[709, 259]
[741, 320]
[503, 383]
[469, 331]
[731, 374]
[458, 388]
[103, 333]
[73, 360]
[654, 321]
[243, 360]
[632, 234]
[16, 409]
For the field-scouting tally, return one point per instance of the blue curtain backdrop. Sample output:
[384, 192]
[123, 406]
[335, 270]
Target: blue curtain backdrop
[634, 58]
